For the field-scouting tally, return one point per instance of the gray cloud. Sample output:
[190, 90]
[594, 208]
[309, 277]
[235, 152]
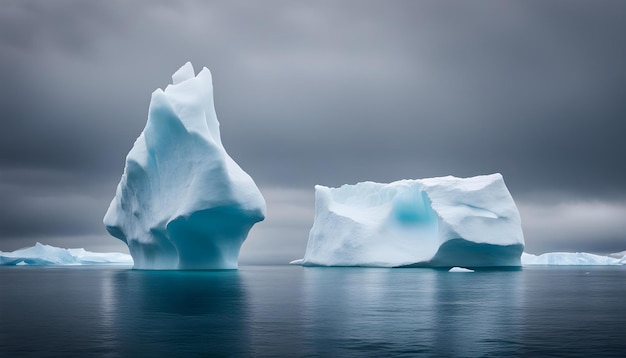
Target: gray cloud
[327, 93]
[574, 226]
[282, 237]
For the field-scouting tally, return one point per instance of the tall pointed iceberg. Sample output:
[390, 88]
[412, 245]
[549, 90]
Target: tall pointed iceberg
[183, 202]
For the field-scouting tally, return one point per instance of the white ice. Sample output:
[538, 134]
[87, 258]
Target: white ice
[182, 202]
[570, 259]
[41, 254]
[435, 222]
[460, 269]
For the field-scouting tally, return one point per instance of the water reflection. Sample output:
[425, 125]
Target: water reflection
[202, 312]
[478, 314]
[295, 311]
[575, 311]
[412, 311]
[275, 305]
[369, 310]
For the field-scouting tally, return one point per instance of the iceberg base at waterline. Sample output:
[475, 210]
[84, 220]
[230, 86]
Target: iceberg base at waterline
[42, 255]
[553, 259]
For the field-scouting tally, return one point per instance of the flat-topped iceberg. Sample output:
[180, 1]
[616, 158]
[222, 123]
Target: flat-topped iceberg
[435, 222]
[41, 254]
[182, 202]
[570, 259]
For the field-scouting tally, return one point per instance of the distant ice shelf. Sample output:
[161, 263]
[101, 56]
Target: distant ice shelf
[570, 259]
[41, 255]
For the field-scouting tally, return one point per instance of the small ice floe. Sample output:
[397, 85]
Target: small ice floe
[460, 269]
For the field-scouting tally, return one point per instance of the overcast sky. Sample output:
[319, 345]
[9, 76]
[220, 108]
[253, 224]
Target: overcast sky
[325, 92]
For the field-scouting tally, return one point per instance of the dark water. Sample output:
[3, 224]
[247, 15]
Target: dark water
[294, 311]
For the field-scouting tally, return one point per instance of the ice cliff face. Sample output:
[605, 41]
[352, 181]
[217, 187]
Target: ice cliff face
[182, 202]
[436, 222]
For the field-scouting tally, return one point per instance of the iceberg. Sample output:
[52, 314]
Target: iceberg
[570, 259]
[459, 269]
[182, 201]
[41, 254]
[434, 222]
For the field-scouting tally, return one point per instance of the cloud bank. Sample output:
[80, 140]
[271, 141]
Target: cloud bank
[321, 93]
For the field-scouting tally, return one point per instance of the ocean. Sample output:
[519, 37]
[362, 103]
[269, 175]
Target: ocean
[291, 311]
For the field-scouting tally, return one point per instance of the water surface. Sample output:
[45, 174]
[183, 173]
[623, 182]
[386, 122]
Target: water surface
[295, 311]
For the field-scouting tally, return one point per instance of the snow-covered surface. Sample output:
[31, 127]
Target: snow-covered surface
[459, 269]
[41, 254]
[437, 222]
[182, 202]
[570, 258]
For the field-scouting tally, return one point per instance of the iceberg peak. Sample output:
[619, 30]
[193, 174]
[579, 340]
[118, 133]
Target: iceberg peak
[185, 72]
